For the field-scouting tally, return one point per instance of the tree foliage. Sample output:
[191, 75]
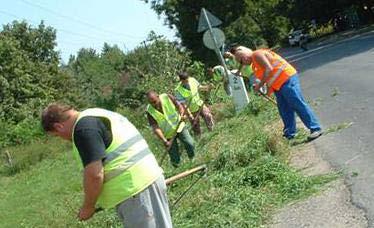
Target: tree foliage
[249, 22]
[29, 75]
[112, 79]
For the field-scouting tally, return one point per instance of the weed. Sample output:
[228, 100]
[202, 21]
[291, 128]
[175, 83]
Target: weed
[338, 127]
[335, 92]
[316, 102]
[354, 174]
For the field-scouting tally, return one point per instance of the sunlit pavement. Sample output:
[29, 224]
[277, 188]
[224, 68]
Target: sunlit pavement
[338, 79]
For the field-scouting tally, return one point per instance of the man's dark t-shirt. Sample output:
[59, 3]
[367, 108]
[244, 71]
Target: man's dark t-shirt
[92, 135]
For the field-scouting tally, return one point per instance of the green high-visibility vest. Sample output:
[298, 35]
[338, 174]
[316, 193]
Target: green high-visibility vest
[247, 71]
[169, 119]
[232, 64]
[192, 96]
[129, 165]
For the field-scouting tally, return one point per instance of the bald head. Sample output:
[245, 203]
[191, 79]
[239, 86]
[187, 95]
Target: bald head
[153, 98]
[242, 54]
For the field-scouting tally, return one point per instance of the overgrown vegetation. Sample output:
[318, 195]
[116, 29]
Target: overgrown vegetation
[30, 77]
[247, 177]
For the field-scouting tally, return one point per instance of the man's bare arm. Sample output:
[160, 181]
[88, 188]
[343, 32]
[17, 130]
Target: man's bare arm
[93, 179]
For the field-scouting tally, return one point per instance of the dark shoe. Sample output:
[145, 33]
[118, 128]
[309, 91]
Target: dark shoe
[314, 135]
[289, 137]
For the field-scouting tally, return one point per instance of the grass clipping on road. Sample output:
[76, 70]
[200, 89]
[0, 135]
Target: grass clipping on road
[247, 177]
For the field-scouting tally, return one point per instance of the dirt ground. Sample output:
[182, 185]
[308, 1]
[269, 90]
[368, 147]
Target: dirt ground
[329, 208]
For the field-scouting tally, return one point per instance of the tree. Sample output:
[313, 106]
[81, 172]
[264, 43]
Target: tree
[29, 75]
[184, 15]
[249, 22]
[155, 65]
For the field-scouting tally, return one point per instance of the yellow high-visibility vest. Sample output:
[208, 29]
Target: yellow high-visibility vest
[192, 96]
[169, 119]
[129, 165]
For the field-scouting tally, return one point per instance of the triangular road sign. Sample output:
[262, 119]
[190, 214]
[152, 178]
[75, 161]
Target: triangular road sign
[203, 24]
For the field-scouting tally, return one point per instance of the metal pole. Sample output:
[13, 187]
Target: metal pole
[220, 57]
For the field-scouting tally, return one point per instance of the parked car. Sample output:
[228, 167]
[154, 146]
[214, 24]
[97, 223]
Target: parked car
[295, 36]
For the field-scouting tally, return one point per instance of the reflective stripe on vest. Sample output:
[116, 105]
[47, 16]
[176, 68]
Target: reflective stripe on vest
[277, 73]
[192, 95]
[122, 148]
[281, 72]
[129, 166]
[126, 165]
[168, 120]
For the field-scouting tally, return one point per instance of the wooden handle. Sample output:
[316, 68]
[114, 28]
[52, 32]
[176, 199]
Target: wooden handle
[268, 98]
[172, 179]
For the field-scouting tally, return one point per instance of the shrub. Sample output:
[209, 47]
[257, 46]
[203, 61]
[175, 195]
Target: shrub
[322, 30]
[23, 132]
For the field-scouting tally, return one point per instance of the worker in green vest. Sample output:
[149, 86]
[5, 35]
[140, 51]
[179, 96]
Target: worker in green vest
[166, 115]
[217, 73]
[187, 93]
[119, 172]
[245, 70]
[230, 61]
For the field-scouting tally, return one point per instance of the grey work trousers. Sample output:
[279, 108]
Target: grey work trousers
[148, 209]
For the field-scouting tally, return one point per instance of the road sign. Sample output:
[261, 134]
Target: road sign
[209, 40]
[206, 21]
[204, 24]
[214, 39]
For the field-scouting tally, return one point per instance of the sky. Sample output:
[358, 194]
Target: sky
[89, 23]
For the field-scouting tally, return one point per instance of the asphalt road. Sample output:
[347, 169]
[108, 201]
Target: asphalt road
[338, 78]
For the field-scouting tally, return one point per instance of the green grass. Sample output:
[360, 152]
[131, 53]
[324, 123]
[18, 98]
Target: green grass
[247, 177]
[48, 194]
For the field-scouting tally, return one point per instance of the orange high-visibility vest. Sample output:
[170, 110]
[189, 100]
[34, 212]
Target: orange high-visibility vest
[281, 72]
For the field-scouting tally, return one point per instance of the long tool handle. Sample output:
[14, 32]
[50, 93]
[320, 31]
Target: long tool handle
[268, 98]
[172, 179]
[194, 121]
[176, 133]
[168, 148]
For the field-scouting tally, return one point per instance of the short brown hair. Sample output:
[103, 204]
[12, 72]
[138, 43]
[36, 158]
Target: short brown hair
[54, 113]
[183, 75]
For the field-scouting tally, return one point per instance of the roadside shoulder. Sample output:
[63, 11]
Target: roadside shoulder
[329, 208]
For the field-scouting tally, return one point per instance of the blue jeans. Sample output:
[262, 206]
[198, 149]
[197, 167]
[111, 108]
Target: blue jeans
[290, 101]
[188, 143]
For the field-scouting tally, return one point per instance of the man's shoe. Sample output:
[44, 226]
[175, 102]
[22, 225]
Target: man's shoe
[314, 135]
[289, 137]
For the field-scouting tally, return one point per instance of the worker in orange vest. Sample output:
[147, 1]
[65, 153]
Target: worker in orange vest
[281, 78]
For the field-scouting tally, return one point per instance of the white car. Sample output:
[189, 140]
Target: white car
[294, 37]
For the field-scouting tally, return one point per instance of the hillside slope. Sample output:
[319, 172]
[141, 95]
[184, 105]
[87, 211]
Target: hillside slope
[247, 177]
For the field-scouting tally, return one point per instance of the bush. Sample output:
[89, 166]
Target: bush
[23, 132]
[322, 30]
